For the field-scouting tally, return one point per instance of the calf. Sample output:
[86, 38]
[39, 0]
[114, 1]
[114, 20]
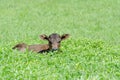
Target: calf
[53, 43]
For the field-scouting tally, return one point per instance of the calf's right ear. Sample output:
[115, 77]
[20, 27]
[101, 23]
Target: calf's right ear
[44, 37]
[65, 36]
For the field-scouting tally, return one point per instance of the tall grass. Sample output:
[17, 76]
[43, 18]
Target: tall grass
[91, 53]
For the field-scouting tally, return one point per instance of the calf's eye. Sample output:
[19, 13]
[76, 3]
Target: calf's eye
[58, 41]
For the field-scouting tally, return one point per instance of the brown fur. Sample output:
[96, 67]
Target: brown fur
[53, 39]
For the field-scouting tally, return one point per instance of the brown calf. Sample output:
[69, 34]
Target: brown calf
[53, 39]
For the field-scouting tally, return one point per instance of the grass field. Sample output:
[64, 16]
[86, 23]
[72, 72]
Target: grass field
[91, 53]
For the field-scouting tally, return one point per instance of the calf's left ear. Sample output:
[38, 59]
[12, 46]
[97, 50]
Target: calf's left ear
[44, 37]
[65, 36]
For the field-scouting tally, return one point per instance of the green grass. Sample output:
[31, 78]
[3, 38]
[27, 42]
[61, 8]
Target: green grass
[91, 53]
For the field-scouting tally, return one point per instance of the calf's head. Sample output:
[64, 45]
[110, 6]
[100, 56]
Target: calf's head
[54, 40]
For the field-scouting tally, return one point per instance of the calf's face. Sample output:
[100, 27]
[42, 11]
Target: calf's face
[54, 40]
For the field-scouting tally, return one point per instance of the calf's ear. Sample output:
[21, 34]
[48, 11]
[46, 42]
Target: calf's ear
[64, 36]
[44, 37]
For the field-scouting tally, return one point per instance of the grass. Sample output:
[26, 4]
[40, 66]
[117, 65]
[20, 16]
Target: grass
[91, 53]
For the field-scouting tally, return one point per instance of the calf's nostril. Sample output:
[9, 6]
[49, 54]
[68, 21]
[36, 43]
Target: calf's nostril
[54, 49]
